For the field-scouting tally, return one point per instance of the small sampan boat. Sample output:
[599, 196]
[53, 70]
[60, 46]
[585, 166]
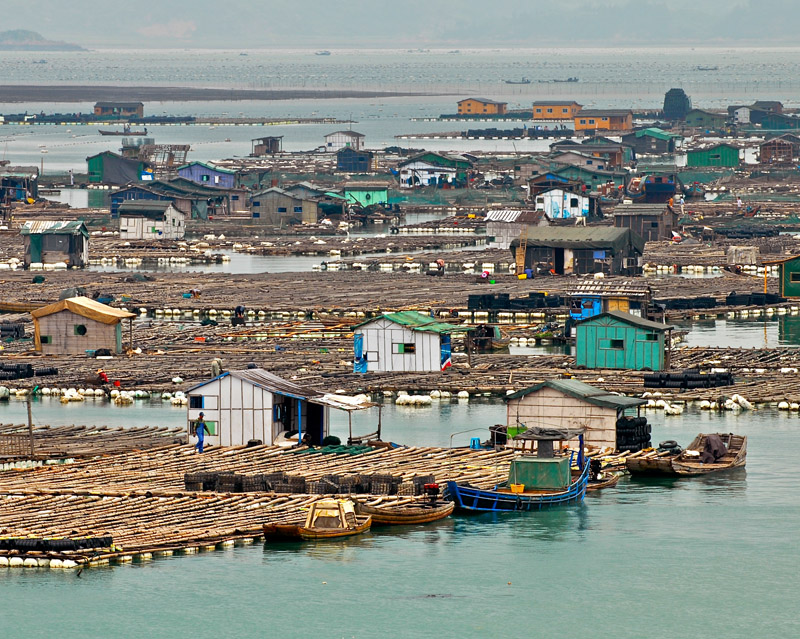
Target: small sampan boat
[327, 519]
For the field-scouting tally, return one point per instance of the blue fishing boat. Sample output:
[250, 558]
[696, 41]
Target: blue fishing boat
[534, 482]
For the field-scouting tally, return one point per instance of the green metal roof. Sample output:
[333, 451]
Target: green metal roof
[584, 237]
[74, 227]
[417, 321]
[655, 132]
[634, 320]
[591, 394]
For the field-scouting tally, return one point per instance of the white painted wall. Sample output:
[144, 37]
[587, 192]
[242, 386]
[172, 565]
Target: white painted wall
[134, 227]
[558, 203]
[379, 338]
[426, 173]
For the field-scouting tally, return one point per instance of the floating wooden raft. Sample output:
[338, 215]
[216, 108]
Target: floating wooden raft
[58, 442]
[163, 469]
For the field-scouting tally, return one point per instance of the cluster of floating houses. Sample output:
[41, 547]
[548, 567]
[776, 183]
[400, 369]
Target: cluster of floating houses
[579, 245]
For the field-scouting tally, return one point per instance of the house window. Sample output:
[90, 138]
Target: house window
[794, 277]
[589, 162]
[372, 356]
[79, 329]
[573, 202]
[563, 110]
[46, 339]
[591, 121]
[281, 209]
[716, 156]
[234, 197]
[612, 344]
[195, 401]
[256, 203]
[404, 349]
[256, 214]
[549, 110]
[298, 209]
[651, 337]
[538, 110]
[205, 178]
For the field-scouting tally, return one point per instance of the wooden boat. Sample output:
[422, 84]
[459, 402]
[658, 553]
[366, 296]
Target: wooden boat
[654, 464]
[505, 496]
[688, 463]
[405, 513]
[327, 519]
[135, 133]
[523, 80]
[605, 480]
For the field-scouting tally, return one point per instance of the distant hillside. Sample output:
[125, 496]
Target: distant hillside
[22, 40]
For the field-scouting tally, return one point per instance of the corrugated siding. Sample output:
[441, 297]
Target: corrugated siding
[549, 407]
[379, 338]
[637, 353]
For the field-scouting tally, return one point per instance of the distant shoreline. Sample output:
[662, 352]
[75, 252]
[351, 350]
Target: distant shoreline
[89, 93]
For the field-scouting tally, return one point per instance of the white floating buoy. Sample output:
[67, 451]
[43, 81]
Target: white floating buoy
[463, 394]
[783, 405]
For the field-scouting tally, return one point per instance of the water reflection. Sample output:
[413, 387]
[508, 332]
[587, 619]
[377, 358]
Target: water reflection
[756, 332]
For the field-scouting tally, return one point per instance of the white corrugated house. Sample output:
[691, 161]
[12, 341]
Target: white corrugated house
[407, 341]
[253, 404]
[151, 220]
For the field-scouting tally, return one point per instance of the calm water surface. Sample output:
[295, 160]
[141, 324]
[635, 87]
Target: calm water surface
[647, 559]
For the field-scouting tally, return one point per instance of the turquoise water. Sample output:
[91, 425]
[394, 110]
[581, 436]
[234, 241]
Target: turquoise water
[647, 559]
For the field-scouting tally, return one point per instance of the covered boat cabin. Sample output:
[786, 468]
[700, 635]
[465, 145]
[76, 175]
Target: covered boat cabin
[569, 404]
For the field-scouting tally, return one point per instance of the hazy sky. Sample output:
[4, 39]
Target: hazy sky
[315, 24]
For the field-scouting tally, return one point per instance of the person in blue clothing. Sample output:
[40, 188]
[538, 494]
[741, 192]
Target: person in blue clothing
[200, 429]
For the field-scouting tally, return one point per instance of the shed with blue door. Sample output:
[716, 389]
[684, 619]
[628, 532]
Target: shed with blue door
[623, 341]
[592, 297]
[254, 404]
[407, 341]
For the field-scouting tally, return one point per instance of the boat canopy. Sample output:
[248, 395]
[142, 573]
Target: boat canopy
[540, 473]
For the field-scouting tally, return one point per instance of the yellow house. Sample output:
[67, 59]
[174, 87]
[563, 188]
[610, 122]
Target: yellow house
[472, 106]
[555, 110]
[604, 120]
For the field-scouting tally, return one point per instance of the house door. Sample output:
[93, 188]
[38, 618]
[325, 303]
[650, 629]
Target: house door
[359, 360]
[558, 261]
[315, 423]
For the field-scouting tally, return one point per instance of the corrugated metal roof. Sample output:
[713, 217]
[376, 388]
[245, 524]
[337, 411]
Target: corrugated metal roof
[590, 394]
[147, 206]
[504, 215]
[640, 209]
[634, 320]
[280, 386]
[603, 288]
[584, 237]
[207, 166]
[655, 132]
[417, 321]
[57, 227]
[85, 307]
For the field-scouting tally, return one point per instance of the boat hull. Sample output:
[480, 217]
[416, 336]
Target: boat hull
[406, 516]
[294, 532]
[471, 499]
[652, 466]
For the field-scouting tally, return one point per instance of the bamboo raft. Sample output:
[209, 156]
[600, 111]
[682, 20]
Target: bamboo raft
[137, 498]
[61, 442]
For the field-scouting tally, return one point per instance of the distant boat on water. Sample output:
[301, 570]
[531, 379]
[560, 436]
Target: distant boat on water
[559, 80]
[701, 68]
[126, 130]
[520, 81]
[322, 53]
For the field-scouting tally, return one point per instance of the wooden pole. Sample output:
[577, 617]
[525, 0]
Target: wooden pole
[30, 427]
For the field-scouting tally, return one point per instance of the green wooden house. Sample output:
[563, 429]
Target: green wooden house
[777, 121]
[592, 178]
[620, 340]
[788, 276]
[366, 194]
[718, 155]
[706, 119]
